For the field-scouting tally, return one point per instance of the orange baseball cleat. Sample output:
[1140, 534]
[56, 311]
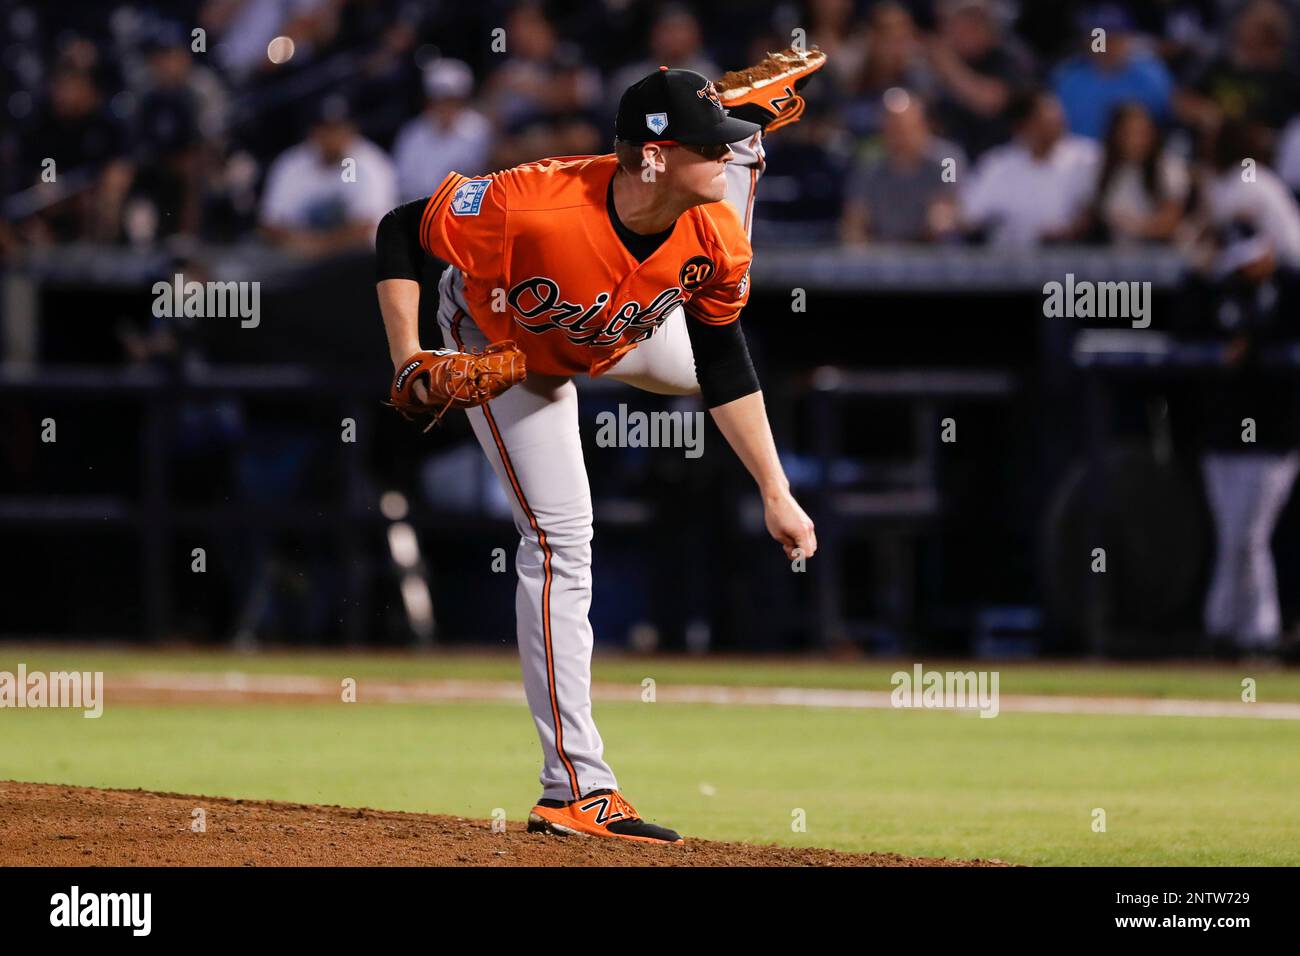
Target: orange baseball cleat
[767, 93]
[600, 813]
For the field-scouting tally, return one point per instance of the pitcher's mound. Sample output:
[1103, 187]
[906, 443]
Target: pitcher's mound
[53, 825]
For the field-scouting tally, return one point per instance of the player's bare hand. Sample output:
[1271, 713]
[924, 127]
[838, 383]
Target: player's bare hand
[789, 525]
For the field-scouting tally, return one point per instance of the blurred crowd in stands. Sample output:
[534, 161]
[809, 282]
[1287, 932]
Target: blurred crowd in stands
[935, 120]
[1011, 123]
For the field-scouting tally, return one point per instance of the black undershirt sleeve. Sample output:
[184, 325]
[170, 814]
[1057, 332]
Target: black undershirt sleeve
[722, 363]
[398, 254]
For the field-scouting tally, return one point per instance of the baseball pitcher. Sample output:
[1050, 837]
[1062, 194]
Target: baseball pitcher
[626, 265]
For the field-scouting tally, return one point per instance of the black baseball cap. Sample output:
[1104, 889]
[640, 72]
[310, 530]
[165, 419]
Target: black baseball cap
[677, 106]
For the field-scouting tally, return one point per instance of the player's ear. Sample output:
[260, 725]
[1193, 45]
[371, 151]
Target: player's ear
[652, 157]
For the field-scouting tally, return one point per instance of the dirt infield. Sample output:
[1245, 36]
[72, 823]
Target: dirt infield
[53, 825]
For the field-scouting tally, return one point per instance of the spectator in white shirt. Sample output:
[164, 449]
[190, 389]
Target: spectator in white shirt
[448, 135]
[1035, 188]
[327, 194]
[1142, 188]
[1246, 194]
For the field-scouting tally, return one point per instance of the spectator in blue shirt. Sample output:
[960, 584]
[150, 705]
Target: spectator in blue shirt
[1091, 84]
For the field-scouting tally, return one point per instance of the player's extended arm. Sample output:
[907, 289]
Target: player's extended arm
[397, 281]
[743, 422]
[730, 389]
[399, 304]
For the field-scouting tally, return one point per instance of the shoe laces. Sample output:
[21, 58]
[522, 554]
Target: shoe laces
[622, 806]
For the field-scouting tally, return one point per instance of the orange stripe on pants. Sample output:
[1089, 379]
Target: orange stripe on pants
[546, 566]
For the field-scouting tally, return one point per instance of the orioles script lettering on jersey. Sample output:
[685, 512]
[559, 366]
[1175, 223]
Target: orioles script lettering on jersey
[540, 236]
[552, 311]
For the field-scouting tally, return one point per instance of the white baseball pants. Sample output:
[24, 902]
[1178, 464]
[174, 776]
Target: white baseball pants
[530, 434]
[1247, 494]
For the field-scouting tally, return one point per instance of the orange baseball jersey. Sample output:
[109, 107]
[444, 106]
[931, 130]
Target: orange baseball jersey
[543, 265]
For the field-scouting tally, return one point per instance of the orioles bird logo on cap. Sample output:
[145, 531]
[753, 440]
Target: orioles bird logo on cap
[709, 92]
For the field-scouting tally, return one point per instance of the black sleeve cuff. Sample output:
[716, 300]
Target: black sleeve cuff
[397, 243]
[722, 363]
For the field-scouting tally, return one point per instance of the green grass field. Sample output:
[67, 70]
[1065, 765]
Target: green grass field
[1021, 787]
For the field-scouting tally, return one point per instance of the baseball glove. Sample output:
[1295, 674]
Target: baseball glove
[767, 93]
[455, 380]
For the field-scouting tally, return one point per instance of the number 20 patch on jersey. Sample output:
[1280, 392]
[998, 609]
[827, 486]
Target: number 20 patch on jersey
[468, 199]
